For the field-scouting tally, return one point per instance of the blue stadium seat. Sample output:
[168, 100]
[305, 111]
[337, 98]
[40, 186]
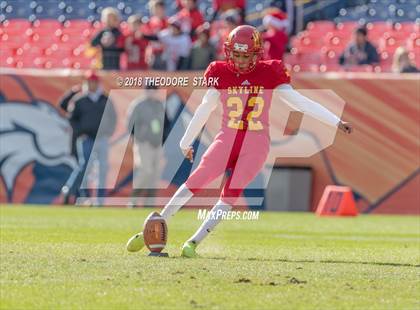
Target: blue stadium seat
[92, 5]
[397, 10]
[121, 5]
[387, 2]
[17, 2]
[372, 12]
[47, 12]
[3, 5]
[128, 10]
[78, 14]
[93, 17]
[106, 3]
[361, 9]
[17, 11]
[383, 13]
[407, 11]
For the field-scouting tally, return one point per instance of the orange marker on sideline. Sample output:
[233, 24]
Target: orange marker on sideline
[337, 200]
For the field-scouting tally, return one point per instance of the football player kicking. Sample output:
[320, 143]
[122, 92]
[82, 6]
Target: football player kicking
[242, 145]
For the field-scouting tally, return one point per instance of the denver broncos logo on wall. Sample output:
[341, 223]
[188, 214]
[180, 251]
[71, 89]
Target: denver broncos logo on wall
[34, 139]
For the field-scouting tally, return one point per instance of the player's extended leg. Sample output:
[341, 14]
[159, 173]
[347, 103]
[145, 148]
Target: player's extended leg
[212, 165]
[245, 170]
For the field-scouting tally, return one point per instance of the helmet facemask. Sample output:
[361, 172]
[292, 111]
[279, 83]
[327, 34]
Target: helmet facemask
[243, 43]
[236, 59]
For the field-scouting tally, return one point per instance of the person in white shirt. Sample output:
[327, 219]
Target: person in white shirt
[177, 45]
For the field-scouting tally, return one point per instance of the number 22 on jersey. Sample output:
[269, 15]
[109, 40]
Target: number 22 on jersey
[235, 115]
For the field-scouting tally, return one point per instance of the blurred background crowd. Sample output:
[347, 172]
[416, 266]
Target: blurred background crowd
[315, 36]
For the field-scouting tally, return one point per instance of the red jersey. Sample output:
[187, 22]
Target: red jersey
[246, 98]
[190, 19]
[136, 52]
[155, 25]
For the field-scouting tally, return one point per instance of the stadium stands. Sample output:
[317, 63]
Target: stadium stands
[50, 33]
[390, 24]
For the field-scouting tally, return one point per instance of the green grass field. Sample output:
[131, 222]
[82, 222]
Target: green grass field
[75, 258]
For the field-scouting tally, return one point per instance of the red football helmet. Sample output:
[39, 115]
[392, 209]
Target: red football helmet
[243, 39]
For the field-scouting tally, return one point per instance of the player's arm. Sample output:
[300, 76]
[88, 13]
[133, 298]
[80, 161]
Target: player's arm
[306, 105]
[201, 115]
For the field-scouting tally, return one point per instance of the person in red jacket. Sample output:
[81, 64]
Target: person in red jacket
[135, 44]
[190, 17]
[275, 38]
[221, 6]
[157, 22]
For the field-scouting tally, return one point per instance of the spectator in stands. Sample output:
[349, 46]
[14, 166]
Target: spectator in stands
[177, 45]
[231, 19]
[221, 6]
[288, 7]
[157, 22]
[110, 39]
[135, 44]
[158, 19]
[145, 122]
[88, 110]
[360, 51]
[190, 17]
[275, 38]
[203, 51]
[402, 63]
[179, 5]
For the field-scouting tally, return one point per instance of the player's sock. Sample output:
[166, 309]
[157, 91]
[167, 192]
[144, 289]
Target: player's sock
[180, 198]
[210, 223]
